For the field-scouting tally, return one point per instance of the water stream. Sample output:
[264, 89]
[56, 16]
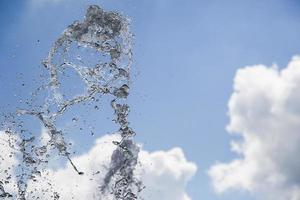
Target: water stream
[98, 51]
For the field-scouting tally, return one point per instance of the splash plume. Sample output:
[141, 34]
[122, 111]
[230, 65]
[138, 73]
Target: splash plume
[98, 50]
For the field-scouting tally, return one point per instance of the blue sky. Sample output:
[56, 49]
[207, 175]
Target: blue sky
[186, 55]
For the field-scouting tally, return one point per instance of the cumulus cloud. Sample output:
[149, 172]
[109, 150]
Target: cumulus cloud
[264, 111]
[165, 174]
[8, 161]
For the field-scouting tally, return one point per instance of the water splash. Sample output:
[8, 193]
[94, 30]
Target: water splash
[106, 36]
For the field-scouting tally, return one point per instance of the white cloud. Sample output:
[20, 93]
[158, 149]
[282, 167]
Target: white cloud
[7, 162]
[164, 173]
[264, 110]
